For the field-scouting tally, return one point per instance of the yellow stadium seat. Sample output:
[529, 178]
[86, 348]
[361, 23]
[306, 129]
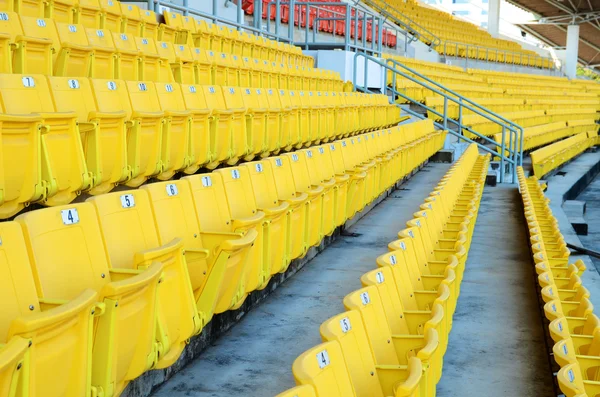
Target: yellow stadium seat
[21, 144]
[60, 154]
[132, 20]
[177, 129]
[303, 184]
[37, 56]
[302, 115]
[368, 378]
[242, 206]
[181, 60]
[203, 67]
[243, 69]
[105, 62]
[314, 168]
[128, 57]
[131, 240]
[324, 368]
[291, 139]
[144, 147]
[30, 8]
[202, 122]
[299, 206]
[256, 123]
[67, 256]
[329, 171]
[149, 24]
[239, 134]
[103, 133]
[212, 257]
[299, 391]
[208, 191]
[154, 67]
[204, 35]
[221, 144]
[112, 19]
[63, 11]
[59, 361]
[89, 14]
[277, 214]
[14, 356]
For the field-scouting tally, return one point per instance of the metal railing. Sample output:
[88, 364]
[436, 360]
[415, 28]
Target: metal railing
[510, 156]
[352, 24]
[215, 18]
[483, 53]
[410, 26]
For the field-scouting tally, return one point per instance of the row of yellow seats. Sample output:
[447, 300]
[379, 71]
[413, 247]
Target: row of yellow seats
[394, 334]
[117, 17]
[541, 135]
[553, 156]
[97, 293]
[573, 325]
[41, 46]
[62, 136]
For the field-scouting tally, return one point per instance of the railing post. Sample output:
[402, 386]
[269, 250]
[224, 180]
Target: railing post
[257, 17]
[306, 26]
[347, 28]
[214, 9]
[460, 115]
[277, 16]
[445, 112]
[380, 36]
[292, 17]
[502, 150]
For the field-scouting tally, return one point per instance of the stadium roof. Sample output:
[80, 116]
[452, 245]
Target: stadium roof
[553, 18]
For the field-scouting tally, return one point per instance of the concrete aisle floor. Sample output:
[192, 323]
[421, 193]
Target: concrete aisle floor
[496, 346]
[255, 358]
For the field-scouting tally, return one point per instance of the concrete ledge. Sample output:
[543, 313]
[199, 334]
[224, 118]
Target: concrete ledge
[443, 156]
[221, 323]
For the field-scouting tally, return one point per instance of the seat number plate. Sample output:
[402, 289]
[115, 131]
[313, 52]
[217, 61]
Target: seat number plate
[323, 359]
[70, 216]
[345, 324]
[365, 298]
[172, 189]
[127, 201]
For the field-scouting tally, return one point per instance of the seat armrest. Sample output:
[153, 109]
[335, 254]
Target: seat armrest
[59, 313]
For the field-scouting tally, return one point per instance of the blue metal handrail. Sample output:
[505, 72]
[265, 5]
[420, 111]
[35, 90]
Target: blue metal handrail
[510, 130]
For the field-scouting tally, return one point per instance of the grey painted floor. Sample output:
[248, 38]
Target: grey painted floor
[256, 356]
[496, 346]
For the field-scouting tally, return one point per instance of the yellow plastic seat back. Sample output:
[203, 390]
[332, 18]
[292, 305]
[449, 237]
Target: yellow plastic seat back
[175, 144]
[368, 303]
[347, 329]
[210, 195]
[144, 143]
[136, 249]
[90, 14]
[75, 57]
[133, 20]
[50, 351]
[238, 188]
[63, 271]
[150, 24]
[103, 64]
[112, 19]
[129, 57]
[324, 368]
[283, 176]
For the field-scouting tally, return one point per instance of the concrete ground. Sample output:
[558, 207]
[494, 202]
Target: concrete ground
[255, 358]
[496, 347]
[591, 195]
